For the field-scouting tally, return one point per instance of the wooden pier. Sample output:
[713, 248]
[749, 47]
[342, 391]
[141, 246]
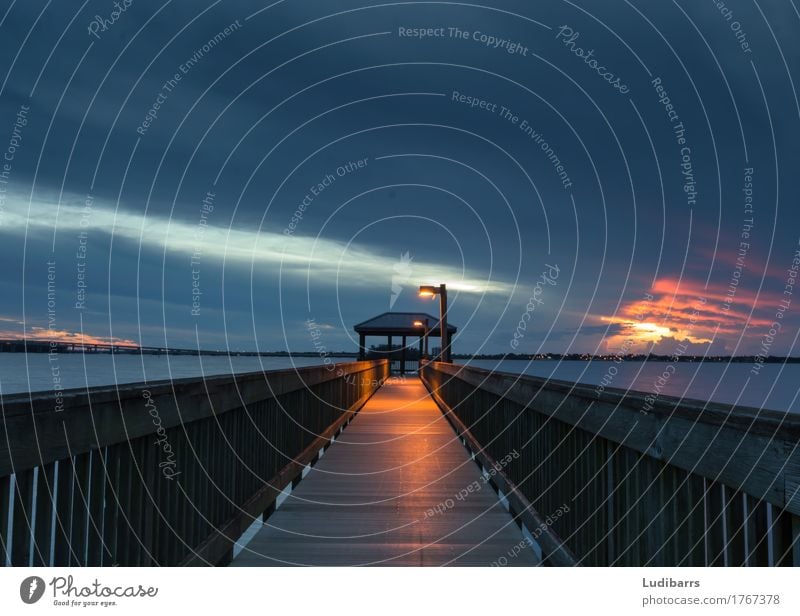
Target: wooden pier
[343, 465]
[396, 488]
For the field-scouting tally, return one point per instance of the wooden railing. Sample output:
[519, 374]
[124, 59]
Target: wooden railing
[165, 473]
[672, 482]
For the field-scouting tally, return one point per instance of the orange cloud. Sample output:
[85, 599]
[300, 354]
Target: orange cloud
[683, 311]
[43, 334]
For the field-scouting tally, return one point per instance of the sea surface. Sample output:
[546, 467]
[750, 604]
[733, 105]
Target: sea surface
[775, 387]
[35, 372]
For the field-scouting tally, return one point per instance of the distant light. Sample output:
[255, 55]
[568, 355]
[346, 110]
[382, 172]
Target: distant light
[418, 324]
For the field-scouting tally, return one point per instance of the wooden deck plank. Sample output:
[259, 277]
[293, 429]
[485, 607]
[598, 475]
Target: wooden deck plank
[386, 493]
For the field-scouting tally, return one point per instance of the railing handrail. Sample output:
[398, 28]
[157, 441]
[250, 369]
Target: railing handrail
[42, 399]
[704, 411]
[663, 404]
[33, 432]
[753, 451]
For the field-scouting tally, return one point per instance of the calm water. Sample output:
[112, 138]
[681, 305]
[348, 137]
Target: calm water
[775, 387]
[77, 370]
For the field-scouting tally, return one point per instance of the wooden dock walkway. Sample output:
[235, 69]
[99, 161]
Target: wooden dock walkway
[387, 493]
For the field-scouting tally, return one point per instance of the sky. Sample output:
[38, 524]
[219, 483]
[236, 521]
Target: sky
[586, 177]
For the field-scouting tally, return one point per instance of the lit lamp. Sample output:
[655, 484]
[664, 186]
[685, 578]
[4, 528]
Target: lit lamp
[427, 290]
[424, 326]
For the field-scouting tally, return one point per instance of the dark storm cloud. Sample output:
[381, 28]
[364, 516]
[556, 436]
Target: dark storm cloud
[541, 161]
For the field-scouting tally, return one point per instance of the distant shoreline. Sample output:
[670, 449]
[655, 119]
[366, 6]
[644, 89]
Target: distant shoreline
[638, 358]
[39, 348]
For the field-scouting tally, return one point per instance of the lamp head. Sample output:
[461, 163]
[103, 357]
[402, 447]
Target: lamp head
[428, 290]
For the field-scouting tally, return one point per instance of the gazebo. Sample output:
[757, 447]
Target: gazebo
[401, 325]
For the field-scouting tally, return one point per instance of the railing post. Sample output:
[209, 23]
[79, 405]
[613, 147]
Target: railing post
[609, 494]
[44, 512]
[5, 542]
[23, 510]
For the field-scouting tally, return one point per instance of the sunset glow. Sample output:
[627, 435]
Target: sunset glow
[684, 311]
[43, 334]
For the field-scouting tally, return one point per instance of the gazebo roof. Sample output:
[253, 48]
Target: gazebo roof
[401, 324]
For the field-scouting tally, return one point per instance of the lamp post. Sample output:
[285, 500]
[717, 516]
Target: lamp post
[424, 325]
[431, 291]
